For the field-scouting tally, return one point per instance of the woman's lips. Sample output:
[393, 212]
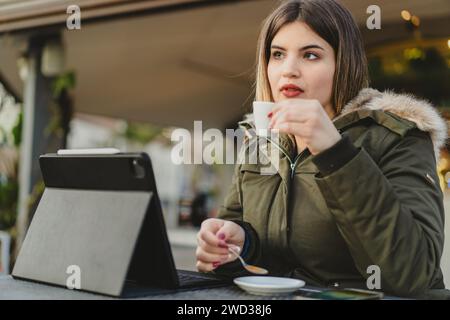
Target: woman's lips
[291, 92]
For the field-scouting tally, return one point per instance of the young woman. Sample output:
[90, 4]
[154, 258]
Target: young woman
[357, 185]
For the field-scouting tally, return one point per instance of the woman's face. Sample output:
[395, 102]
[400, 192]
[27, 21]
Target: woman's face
[302, 59]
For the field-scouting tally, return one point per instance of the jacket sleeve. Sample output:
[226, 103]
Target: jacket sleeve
[232, 210]
[391, 213]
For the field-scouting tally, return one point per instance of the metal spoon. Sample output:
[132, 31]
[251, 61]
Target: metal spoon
[248, 267]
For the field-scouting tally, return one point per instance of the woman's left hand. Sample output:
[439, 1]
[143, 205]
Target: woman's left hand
[307, 120]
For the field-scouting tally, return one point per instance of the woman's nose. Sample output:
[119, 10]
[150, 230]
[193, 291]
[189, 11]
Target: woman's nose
[291, 69]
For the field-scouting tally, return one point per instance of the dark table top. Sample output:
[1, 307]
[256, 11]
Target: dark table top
[12, 289]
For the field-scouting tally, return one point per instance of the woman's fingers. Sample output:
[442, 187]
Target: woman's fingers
[208, 232]
[293, 113]
[276, 108]
[212, 240]
[212, 225]
[297, 110]
[205, 267]
[208, 257]
[207, 262]
[211, 249]
[294, 128]
[232, 233]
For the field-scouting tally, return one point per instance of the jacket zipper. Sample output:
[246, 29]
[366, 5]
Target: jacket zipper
[293, 164]
[291, 180]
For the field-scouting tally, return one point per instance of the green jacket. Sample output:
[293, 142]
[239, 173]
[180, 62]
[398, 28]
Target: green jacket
[374, 199]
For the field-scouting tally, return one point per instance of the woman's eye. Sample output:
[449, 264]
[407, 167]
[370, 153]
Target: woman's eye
[311, 56]
[277, 54]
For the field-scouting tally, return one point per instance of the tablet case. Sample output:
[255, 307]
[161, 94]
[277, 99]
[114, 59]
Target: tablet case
[99, 213]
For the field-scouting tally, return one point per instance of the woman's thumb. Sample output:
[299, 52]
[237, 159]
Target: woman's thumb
[226, 232]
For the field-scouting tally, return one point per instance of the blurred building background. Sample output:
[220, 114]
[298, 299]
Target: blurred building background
[137, 70]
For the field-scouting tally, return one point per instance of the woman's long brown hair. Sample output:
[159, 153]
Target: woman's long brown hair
[333, 23]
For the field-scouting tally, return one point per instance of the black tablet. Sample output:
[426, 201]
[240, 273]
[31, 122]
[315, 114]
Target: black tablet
[100, 213]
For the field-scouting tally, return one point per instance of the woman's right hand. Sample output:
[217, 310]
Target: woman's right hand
[214, 238]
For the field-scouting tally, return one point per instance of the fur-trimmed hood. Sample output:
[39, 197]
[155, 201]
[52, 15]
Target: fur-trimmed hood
[422, 113]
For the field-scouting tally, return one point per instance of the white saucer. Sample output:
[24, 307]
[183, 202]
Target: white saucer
[266, 286]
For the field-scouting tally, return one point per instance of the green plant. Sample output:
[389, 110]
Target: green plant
[9, 187]
[9, 190]
[141, 132]
[422, 72]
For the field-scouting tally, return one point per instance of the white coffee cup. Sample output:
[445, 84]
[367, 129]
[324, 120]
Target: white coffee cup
[261, 110]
